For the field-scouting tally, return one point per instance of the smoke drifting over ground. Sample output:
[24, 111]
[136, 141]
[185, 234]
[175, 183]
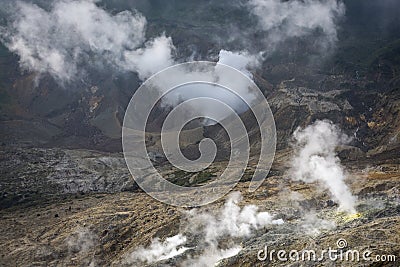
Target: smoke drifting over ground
[242, 61]
[208, 229]
[282, 20]
[158, 251]
[70, 36]
[77, 33]
[312, 225]
[81, 243]
[315, 160]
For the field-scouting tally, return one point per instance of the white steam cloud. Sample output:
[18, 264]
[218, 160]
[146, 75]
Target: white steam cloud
[229, 223]
[313, 225]
[158, 251]
[282, 20]
[81, 243]
[242, 61]
[78, 32]
[315, 160]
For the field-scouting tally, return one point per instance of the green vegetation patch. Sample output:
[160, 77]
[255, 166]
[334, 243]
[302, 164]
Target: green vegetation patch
[189, 179]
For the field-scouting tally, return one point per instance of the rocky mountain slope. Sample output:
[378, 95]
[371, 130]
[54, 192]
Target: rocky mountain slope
[61, 228]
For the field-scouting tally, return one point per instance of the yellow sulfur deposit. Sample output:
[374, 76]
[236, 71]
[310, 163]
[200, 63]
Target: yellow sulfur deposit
[351, 217]
[345, 217]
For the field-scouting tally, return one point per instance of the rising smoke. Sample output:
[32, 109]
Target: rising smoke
[81, 243]
[209, 228]
[74, 33]
[279, 22]
[157, 251]
[282, 20]
[69, 34]
[242, 61]
[312, 225]
[315, 160]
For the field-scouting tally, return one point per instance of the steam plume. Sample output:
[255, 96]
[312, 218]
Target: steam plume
[75, 33]
[313, 225]
[242, 60]
[282, 20]
[229, 223]
[158, 251]
[81, 243]
[315, 160]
